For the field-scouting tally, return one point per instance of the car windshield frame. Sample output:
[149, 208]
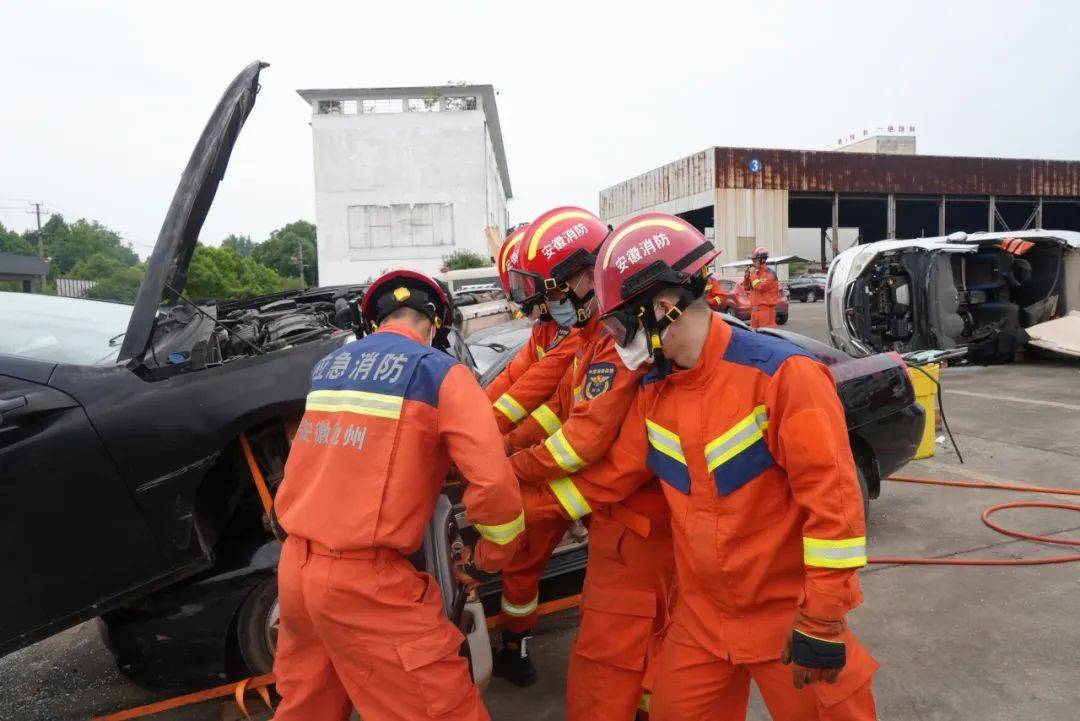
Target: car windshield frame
[57, 329]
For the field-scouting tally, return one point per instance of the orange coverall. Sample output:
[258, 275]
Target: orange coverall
[714, 294]
[575, 427]
[360, 626]
[767, 518]
[764, 295]
[533, 373]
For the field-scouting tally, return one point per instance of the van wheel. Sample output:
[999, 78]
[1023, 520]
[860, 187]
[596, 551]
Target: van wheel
[257, 627]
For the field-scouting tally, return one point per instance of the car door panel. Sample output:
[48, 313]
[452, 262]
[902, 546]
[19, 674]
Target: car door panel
[73, 537]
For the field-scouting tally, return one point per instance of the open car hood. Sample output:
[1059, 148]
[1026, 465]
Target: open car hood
[166, 271]
[778, 260]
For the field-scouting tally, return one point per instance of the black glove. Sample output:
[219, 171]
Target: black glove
[816, 649]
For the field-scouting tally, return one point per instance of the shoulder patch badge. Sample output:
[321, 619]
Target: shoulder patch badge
[599, 378]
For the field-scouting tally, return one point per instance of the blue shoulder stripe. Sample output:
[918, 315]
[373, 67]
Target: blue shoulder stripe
[757, 350]
[385, 363]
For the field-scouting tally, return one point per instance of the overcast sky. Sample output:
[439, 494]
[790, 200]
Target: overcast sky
[102, 105]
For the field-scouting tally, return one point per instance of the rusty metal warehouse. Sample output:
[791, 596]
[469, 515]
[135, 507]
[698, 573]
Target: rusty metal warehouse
[752, 196]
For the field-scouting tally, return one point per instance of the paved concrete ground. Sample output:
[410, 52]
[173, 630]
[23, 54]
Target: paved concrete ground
[991, 644]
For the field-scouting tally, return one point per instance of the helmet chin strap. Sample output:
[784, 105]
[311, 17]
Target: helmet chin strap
[581, 306]
[655, 327]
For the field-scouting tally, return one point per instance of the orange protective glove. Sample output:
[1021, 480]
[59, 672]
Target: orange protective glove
[815, 649]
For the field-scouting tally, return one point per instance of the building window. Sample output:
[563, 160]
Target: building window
[404, 225]
[350, 107]
[461, 103]
[423, 105]
[382, 105]
[329, 107]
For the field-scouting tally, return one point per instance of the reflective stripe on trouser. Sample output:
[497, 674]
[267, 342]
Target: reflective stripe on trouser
[510, 408]
[629, 583]
[841, 553]
[521, 576]
[693, 684]
[350, 645]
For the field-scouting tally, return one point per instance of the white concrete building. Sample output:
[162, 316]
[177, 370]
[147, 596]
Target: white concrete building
[405, 176]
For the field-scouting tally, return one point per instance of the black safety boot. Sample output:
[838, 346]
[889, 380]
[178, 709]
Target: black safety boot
[512, 661]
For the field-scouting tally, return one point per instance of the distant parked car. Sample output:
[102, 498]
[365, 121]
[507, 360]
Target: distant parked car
[807, 288]
[737, 301]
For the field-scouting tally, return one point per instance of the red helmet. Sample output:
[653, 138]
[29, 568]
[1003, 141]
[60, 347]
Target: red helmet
[510, 255]
[759, 251]
[642, 255]
[558, 244]
[405, 289]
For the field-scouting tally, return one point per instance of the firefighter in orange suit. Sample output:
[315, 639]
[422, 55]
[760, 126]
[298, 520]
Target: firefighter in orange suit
[714, 294]
[555, 270]
[535, 371]
[630, 574]
[766, 508]
[386, 416]
[764, 289]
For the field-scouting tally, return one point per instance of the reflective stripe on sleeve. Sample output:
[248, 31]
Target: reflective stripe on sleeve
[510, 408]
[564, 453]
[503, 533]
[540, 352]
[511, 609]
[843, 553]
[570, 498]
[547, 419]
[363, 403]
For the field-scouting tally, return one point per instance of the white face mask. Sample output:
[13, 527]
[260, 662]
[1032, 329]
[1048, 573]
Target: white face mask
[563, 312]
[636, 353]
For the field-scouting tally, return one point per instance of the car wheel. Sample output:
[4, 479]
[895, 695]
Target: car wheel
[811, 297]
[864, 488]
[257, 627]
[781, 319]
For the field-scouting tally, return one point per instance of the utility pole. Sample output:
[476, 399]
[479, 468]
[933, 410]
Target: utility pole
[40, 240]
[299, 258]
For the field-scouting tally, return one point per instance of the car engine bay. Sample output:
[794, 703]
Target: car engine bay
[192, 337]
[913, 299]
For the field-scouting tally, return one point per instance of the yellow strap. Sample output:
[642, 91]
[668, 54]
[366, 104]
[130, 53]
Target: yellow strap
[547, 419]
[570, 498]
[564, 453]
[503, 533]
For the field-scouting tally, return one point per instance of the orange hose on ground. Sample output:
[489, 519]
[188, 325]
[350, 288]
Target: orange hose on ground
[914, 561]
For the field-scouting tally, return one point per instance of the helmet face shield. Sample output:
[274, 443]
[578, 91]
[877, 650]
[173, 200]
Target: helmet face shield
[622, 324]
[525, 288]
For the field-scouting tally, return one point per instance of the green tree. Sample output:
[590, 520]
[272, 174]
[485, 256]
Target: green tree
[281, 251]
[242, 244]
[122, 285]
[12, 242]
[465, 259]
[67, 245]
[222, 274]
